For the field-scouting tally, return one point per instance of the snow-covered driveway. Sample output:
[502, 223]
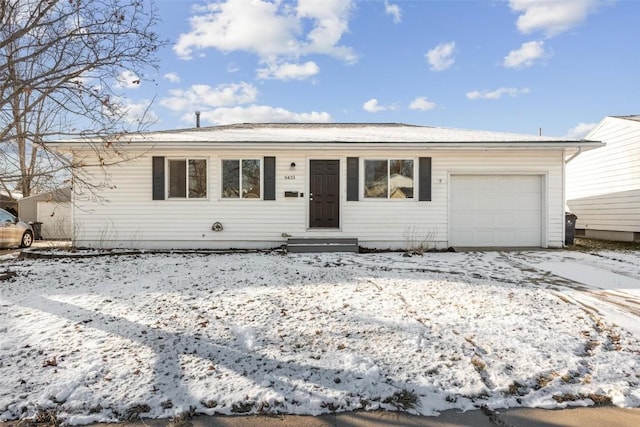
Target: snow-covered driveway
[112, 338]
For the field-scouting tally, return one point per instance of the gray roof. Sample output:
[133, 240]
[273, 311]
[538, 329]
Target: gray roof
[635, 118]
[310, 134]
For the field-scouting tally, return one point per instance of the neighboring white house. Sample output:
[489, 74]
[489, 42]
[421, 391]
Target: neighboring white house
[52, 210]
[603, 186]
[254, 185]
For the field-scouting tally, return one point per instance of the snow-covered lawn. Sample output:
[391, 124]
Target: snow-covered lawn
[158, 335]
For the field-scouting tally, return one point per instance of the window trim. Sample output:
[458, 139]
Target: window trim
[186, 183]
[240, 160]
[388, 160]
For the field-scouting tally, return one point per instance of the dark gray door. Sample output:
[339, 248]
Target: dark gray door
[324, 194]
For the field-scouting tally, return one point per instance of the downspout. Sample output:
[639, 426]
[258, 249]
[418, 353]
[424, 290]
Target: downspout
[574, 155]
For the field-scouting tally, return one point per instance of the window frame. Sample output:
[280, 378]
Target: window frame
[186, 161]
[240, 161]
[388, 160]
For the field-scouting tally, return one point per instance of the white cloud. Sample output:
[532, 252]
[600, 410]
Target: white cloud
[525, 56]
[289, 71]
[497, 94]
[372, 106]
[330, 21]
[581, 130]
[274, 30]
[259, 114]
[552, 17]
[128, 80]
[255, 26]
[203, 96]
[393, 10]
[172, 77]
[421, 103]
[441, 57]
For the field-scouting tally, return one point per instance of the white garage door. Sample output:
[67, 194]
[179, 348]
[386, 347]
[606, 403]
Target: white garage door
[496, 210]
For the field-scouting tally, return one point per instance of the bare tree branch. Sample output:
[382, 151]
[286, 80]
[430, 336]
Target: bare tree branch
[59, 65]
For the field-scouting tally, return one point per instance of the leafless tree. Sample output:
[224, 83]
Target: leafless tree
[60, 64]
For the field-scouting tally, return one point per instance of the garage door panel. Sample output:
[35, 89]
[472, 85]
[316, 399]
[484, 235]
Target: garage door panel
[496, 210]
[505, 219]
[502, 202]
[529, 202]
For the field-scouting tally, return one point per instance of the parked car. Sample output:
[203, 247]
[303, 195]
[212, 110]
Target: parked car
[14, 232]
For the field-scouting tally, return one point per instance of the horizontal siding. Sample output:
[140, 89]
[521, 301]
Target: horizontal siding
[609, 212]
[128, 217]
[603, 185]
[611, 169]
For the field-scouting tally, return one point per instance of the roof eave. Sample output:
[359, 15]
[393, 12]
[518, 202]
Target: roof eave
[68, 146]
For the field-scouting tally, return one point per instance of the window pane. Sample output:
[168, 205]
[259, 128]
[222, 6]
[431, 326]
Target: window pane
[197, 178]
[177, 178]
[401, 179]
[231, 179]
[375, 178]
[251, 179]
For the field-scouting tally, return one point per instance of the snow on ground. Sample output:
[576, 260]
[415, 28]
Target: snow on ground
[157, 335]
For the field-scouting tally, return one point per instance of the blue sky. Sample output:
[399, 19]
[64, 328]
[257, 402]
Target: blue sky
[513, 66]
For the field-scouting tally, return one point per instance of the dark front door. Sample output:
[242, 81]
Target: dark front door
[324, 194]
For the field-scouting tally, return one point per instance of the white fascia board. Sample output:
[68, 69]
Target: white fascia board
[335, 146]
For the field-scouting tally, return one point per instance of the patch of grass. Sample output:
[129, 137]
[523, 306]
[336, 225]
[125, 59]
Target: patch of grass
[614, 342]
[478, 364]
[597, 399]
[135, 411]
[600, 399]
[242, 407]
[515, 389]
[544, 380]
[209, 404]
[404, 399]
[570, 377]
[584, 244]
[47, 418]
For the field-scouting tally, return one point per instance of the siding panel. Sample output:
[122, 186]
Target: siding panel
[127, 217]
[605, 176]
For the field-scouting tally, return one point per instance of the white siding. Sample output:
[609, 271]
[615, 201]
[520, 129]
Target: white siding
[603, 185]
[56, 220]
[128, 217]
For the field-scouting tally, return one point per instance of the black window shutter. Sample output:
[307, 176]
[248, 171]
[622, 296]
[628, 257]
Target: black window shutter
[353, 165]
[424, 171]
[158, 178]
[269, 178]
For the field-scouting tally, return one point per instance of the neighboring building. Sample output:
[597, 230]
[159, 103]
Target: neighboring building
[391, 186]
[52, 210]
[603, 186]
[8, 202]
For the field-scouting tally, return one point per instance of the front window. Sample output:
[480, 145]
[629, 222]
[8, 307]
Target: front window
[388, 179]
[188, 178]
[241, 179]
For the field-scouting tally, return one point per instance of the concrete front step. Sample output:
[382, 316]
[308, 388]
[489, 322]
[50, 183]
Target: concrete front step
[306, 245]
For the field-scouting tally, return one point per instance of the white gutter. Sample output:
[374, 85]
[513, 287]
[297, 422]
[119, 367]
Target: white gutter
[325, 145]
[574, 155]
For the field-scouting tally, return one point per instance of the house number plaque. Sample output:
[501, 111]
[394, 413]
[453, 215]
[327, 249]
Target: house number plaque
[289, 177]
